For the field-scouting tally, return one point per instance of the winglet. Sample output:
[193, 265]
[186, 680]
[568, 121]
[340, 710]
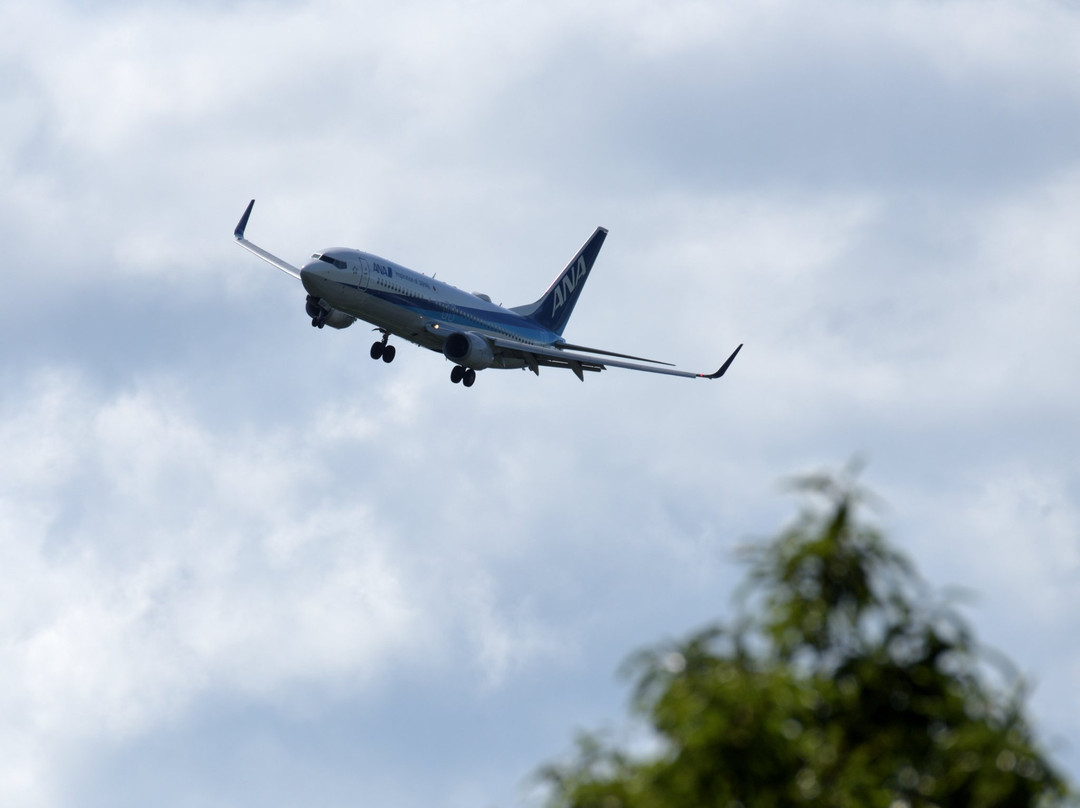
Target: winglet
[269, 258]
[723, 367]
[242, 226]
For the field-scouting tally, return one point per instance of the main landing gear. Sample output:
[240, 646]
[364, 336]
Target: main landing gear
[467, 376]
[380, 350]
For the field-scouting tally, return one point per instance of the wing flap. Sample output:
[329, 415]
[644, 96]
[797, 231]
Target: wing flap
[566, 346]
[578, 362]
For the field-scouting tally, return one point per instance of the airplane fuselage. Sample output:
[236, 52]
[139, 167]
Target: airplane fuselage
[411, 305]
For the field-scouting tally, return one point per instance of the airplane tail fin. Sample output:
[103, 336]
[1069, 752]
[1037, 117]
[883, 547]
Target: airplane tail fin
[553, 309]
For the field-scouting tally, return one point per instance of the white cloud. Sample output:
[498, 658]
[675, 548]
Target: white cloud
[158, 561]
[211, 500]
[177, 107]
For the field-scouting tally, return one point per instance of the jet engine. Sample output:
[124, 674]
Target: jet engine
[321, 313]
[469, 349]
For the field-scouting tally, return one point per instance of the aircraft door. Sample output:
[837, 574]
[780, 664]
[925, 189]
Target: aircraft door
[362, 270]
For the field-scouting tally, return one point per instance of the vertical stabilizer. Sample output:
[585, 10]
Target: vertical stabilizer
[553, 310]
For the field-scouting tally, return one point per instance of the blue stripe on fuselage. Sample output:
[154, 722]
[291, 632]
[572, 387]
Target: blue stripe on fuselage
[432, 300]
[499, 322]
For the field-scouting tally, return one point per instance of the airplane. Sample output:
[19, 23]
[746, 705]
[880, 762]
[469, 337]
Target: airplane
[346, 285]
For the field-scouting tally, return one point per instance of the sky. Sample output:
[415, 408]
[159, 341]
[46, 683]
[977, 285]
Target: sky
[244, 565]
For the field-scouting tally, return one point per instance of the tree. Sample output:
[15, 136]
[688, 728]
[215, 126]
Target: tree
[843, 682]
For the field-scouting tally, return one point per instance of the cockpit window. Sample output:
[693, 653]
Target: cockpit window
[335, 261]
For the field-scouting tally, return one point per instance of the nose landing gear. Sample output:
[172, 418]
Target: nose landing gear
[315, 312]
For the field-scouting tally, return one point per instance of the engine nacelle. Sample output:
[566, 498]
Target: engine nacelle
[322, 314]
[469, 349]
[338, 319]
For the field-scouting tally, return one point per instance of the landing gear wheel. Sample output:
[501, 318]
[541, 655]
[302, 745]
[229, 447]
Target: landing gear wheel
[469, 378]
[457, 374]
[388, 353]
[377, 350]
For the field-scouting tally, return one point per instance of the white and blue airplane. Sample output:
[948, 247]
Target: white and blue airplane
[346, 285]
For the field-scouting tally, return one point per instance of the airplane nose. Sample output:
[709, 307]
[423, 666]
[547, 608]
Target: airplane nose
[311, 279]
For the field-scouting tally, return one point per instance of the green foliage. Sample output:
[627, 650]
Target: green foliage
[843, 683]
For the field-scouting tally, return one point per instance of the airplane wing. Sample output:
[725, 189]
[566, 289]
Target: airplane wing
[536, 355]
[269, 258]
[566, 346]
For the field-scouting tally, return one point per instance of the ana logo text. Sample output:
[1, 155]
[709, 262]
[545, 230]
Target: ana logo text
[568, 283]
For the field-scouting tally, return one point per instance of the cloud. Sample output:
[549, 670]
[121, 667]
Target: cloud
[381, 99]
[210, 506]
[154, 561]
